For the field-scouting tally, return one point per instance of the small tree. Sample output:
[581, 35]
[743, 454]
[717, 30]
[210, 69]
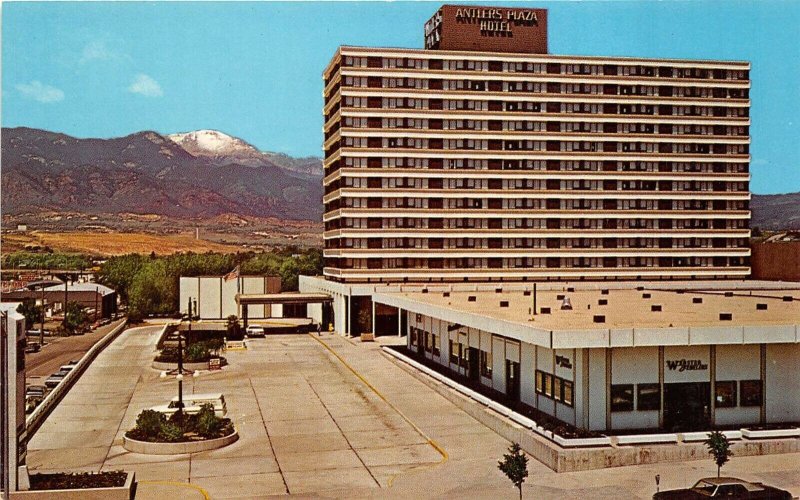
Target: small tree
[232, 327]
[31, 311]
[720, 448]
[515, 466]
[75, 318]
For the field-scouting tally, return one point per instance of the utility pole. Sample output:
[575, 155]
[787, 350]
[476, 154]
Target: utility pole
[41, 330]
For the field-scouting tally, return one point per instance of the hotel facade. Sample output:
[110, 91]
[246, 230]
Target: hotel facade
[486, 164]
[460, 177]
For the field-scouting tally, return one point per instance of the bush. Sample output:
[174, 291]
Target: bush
[208, 424]
[197, 352]
[149, 423]
[171, 433]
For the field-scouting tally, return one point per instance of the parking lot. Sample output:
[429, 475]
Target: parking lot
[323, 416]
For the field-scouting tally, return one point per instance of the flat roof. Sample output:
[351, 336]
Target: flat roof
[626, 308]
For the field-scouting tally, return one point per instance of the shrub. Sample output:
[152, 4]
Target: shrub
[208, 424]
[171, 432]
[149, 423]
[197, 352]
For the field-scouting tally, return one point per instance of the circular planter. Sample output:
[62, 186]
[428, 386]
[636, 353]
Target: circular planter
[148, 448]
[162, 365]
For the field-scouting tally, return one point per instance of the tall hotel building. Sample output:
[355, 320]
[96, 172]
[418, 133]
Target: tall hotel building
[484, 158]
[565, 234]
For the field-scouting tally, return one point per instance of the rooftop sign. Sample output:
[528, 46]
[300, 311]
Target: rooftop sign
[489, 29]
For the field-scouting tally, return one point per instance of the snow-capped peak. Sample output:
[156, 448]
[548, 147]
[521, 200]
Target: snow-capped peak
[211, 143]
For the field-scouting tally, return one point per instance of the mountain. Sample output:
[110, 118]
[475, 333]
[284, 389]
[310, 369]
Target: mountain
[223, 149]
[776, 211]
[202, 175]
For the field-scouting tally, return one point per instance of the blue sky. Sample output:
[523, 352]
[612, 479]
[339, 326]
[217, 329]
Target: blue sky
[96, 69]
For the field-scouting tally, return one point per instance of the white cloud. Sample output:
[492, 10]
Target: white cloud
[99, 50]
[146, 86]
[38, 91]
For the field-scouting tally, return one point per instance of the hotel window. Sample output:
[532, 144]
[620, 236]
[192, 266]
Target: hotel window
[539, 382]
[750, 393]
[435, 345]
[725, 394]
[622, 397]
[648, 397]
[548, 385]
[557, 389]
[486, 364]
[453, 351]
[413, 337]
[428, 341]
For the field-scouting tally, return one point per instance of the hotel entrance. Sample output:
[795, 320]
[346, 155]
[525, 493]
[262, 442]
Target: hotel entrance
[687, 406]
[512, 380]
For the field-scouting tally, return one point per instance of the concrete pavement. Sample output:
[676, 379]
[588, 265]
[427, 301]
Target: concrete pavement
[323, 416]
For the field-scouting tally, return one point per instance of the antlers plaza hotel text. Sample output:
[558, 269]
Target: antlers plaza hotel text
[568, 234]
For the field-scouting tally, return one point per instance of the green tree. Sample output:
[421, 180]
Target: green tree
[32, 312]
[75, 318]
[232, 327]
[720, 448]
[515, 466]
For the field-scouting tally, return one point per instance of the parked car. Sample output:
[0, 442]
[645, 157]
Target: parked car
[724, 487]
[192, 404]
[32, 347]
[56, 378]
[35, 391]
[255, 331]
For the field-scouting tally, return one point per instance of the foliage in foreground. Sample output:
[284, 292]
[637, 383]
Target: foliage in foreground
[78, 480]
[515, 466]
[33, 261]
[720, 448]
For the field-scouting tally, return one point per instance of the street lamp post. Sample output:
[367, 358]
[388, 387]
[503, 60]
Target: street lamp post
[41, 330]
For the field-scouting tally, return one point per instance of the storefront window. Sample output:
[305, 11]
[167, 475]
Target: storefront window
[567, 389]
[539, 382]
[622, 397]
[548, 385]
[725, 394]
[750, 393]
[557, 389]
[648, 397]
[486, 364]
[413, 337]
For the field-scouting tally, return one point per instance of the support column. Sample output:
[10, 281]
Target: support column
[399, 322]
[244, 315]
[373, 317]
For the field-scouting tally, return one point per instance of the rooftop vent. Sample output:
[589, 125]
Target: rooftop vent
[526, 293]
[761, 307]
[787, 298]
[498, 290]
[697, 300]
[640, 288]
[472, 298]
[604, 291]
[646, 295]
[424, 290]
[566, 305]
[560, 297]
[599, 318]
[445, 294]
[602, 302]
[725, 316]
[544, 310]
[729, 294]
[655, 308]
[503, 303]
[570, 289]
[680, 292]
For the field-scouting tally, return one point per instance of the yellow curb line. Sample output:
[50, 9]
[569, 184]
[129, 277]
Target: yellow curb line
[434, 444]
[182, 485]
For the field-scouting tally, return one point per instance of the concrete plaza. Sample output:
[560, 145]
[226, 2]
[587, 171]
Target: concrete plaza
[323, 416]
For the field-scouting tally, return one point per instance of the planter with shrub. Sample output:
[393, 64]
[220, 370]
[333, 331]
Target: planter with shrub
[112, 485]
[157, 434]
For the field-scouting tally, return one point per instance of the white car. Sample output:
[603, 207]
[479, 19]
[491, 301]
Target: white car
[255, 331]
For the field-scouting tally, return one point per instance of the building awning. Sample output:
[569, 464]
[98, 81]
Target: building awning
[282, 298]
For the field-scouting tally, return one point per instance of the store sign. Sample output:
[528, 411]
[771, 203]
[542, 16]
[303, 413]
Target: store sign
[497, 20]
[564, 362]
[682, 365]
